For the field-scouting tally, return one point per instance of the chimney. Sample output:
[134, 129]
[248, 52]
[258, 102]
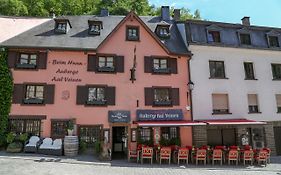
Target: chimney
[165, 13]
[104, 12]
[177, 14]
[246, 21]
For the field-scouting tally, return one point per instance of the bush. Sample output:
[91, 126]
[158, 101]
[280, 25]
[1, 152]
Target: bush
[23, 137]
[11, 137]
[97, 147]
[14, 147]
[82, 146]
[6, 89]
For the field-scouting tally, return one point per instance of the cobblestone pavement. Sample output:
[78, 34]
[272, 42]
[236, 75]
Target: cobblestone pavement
[51, 166]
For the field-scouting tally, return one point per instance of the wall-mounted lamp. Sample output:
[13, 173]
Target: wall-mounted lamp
[190, 85]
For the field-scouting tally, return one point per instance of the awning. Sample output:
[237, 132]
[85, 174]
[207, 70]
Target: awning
[233, 122]
[169, 123]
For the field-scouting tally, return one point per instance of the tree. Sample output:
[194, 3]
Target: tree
[13, 8]
[6, 89]
[197, 14]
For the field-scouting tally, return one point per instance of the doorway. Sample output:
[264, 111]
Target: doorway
[277, 137]
[119, 142]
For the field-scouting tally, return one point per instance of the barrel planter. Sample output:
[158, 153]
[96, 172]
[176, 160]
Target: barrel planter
[71, 145]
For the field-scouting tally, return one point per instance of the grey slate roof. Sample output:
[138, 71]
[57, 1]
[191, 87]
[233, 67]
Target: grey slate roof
[197, 34]
[77, 38]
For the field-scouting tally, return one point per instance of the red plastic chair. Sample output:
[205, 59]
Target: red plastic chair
[132, 154]
[201, 154]
[233, 156]
[217, 155]
[165, 154]
[147, 153]
[248, 156]
[183, 155]
[262, 157]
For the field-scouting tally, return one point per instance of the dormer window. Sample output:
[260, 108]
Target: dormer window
[214, 36]
[163, 30]
[95, 26]
[245, 39]
[95, 29]
[62, 25]
[273, 41]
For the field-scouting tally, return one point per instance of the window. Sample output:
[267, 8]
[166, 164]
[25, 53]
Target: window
[245, 39]
[96, 96]
[162, 96]
[169, 133]
[90, 134]
[278, 102]
[61, 27]
[220, 103]
[218, 137]
[34, 94]
[106, 64]
[29, 126]
[145, 134]
[249, 71]
[160, 65]
[273, 41]
[214, 36]
[217, 69]
[95, 29]
[132, 33]
[163, 31]
[276, 71]
[27, 61]
[253, 103]
[59, 128]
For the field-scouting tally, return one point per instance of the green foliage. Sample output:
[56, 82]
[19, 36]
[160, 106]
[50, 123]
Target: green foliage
[15, 147]
[82, 146]
[6, 89]
[11, 137]
[168, 142]
[13, 8]
[70, 125]
[23, 137]
[46, 8]
[97, 147]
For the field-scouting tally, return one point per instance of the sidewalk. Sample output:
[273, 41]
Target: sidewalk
[275, 164]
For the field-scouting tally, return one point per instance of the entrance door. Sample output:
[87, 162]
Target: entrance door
[119, 142]
[277, 137]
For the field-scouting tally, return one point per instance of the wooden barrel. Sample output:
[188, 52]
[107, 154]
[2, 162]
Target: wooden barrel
[71, 145]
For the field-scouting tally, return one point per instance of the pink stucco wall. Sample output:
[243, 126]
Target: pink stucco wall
[127, 93]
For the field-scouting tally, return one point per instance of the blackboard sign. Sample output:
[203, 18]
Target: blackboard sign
[119, 116]
[170, 114]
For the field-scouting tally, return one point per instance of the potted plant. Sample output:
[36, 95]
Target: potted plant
[14, 144]
[70, 128]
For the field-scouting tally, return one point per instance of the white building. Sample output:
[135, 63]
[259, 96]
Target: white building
[236, 71]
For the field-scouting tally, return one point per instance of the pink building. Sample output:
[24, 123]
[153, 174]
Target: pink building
[122, 79]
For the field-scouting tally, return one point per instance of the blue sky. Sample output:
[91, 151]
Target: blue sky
[262, 12]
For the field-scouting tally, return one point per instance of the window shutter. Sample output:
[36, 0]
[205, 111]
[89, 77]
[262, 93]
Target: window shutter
[92, 63]
[119, 63]
[173, 65]
[12, 59]
[148, 64]
[278, 100]
[49, 93]
[252, 99]
[110, 95]
[149, 96]
[220, 101]
[42, 60]
[18, 93]
[81, 95]
[175, 96]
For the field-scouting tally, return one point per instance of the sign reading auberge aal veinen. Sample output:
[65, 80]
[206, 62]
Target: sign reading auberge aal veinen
[167, 114]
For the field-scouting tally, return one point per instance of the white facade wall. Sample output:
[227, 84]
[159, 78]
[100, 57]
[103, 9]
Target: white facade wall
[235, 86]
